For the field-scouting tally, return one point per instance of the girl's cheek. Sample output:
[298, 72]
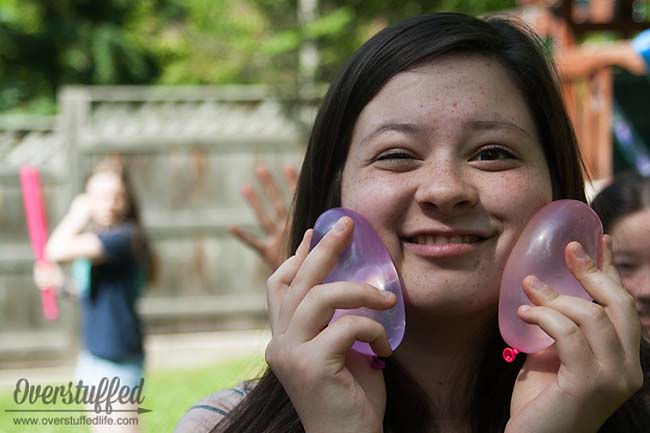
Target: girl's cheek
[374, 196]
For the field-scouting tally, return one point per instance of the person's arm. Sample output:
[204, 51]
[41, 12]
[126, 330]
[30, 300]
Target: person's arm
[205, 416]
[69, 241]
[582, 61]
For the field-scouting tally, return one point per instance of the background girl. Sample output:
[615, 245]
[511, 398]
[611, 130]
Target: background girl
[102, 234]
[624, 208]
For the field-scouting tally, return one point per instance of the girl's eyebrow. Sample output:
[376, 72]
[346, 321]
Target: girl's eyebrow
[496, 124]
[412, 129]
[406, 128]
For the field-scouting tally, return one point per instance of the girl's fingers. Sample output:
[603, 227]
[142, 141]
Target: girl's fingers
[609, 293]
[317, 308]
[572, 348]
[591, 318]
[606, 258]
[261, 215]
[280, 280]
[303, 248]
[272, 191]
[291, 175]
[316, 266]
[339, 337]
[247, 238]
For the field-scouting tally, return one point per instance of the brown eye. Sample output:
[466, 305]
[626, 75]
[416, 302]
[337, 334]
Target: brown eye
[494, 153]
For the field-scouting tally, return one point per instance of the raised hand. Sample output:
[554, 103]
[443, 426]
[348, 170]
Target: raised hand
[274, 223]
[593, 367]
[333, 388]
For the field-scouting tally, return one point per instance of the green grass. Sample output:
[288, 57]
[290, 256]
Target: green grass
[168, 393]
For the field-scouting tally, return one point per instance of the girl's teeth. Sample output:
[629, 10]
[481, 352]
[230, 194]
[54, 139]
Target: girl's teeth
[433, 240]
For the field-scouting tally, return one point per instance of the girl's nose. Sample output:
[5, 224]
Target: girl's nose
[444, 189]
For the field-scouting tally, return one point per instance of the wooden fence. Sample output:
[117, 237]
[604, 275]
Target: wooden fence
[189, 151]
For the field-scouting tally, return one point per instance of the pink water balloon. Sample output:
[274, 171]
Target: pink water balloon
[539, 251]
[365, 260]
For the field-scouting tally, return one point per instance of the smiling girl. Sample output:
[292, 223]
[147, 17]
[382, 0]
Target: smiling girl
[447, 133]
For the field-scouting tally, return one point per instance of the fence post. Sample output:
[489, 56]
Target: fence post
[73, 117]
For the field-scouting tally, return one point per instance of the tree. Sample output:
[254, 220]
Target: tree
[45, 44]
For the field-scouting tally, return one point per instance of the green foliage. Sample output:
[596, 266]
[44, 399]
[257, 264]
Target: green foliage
[45, 44]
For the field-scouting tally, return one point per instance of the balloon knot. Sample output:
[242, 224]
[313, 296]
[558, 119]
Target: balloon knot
[509, 354]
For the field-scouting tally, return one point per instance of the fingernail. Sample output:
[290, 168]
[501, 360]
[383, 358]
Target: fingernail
[377, 363]
[536, 284]
[580, 252]
[386, 294]
[524, 308]
[340, 225]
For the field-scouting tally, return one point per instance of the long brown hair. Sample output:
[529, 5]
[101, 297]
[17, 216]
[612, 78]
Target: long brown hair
[115, 166]
[406, 45]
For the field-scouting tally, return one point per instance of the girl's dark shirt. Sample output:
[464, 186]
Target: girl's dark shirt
[110, 326]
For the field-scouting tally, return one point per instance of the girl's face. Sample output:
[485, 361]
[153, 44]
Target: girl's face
[446, 164]
[108, 200]
[631, 245]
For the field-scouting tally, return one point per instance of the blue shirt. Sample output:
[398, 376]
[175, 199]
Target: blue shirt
[110, 326]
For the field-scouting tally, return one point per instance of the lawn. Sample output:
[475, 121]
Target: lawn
[167, 393]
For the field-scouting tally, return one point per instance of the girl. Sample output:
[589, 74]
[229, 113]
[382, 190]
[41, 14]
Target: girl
[103, 235]
[447, 133]
[624, 208]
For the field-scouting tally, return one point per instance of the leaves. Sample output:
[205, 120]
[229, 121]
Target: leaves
[45, 44]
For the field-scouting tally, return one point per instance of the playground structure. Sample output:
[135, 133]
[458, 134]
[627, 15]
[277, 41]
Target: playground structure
[586, 71]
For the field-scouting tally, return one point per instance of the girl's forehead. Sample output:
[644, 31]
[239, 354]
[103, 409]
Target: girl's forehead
[104, 181]
[632, 230]
[449, 91]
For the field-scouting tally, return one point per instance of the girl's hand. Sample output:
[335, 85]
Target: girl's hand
[593, 367]
[274, 223]
[48, 276]
[333, 388]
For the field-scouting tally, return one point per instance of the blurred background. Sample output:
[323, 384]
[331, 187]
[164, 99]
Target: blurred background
[192, 95]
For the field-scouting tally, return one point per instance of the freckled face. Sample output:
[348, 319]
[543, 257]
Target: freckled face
[447, 154]
[631, 245]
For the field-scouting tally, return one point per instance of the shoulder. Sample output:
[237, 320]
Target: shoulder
[207, 413]
[120, 240]
[125, 229]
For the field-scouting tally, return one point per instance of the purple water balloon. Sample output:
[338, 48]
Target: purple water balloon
[539, 251]
[365, 260]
